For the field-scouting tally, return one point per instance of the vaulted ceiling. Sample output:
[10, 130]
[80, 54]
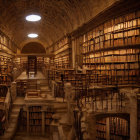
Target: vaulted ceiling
[59, 17]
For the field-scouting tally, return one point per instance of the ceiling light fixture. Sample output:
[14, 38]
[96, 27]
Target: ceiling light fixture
[33, 35]
[33, 18]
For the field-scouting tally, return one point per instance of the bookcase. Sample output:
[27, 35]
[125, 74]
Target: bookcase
[112, 51]
[117, 129]
[40, 62]
[5, 70]
[32, 64]
[101, 129]
[35, 120]
[48, 119]
[21, 88]
[6, 45]
[62, 53]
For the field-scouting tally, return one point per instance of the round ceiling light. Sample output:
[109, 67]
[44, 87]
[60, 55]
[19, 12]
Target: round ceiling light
[33, 18]
[33, 35]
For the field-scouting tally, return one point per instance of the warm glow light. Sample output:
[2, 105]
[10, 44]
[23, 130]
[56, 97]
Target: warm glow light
[32, 35]
[33, 18]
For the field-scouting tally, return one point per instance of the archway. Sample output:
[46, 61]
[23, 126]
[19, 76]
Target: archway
[33, 48]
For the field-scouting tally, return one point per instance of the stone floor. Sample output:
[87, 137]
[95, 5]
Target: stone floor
[23, 76]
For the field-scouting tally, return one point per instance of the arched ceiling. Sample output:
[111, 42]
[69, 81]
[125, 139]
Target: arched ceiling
[59, 17]
[33, 47]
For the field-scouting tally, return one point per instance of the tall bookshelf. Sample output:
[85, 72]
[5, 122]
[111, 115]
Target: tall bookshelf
[48, 119]
[32, 64]
[101, 129]
[112, 50]
[119, 129]
[6, 45]
[5, 70]
[35, 120]
[21, 88]
[7, 51]
[62, 53]
[40, 62]
[115, 129]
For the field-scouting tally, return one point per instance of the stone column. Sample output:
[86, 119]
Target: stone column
[69, 97]
[132, 108]
[91, 126]
[13, 90]
[133, 116]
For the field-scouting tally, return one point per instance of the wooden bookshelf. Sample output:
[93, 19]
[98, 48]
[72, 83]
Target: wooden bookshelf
[21, 88]
[101, 129]
[62, 53]
[6, 67]
[6, 45]
[112, 50]
[32, 64]
[48, 119]
[117, 129]
[35, 120]
[40, 62]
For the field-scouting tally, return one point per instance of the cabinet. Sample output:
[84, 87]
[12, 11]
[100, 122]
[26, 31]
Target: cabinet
[36, 120]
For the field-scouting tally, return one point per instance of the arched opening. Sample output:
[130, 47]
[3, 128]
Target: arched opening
[33, 48]
[113, 126]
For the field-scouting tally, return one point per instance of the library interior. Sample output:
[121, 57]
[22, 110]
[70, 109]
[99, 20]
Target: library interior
[69, 69]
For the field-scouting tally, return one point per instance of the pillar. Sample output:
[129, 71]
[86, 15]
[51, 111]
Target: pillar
[13, 90]
[91, 126]
[132, 110]
[133, 118]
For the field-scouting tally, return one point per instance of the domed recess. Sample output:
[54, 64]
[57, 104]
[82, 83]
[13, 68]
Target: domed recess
[33, 47]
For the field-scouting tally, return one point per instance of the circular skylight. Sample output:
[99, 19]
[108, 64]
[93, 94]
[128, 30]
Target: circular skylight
[33, 18]
[33, 35]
